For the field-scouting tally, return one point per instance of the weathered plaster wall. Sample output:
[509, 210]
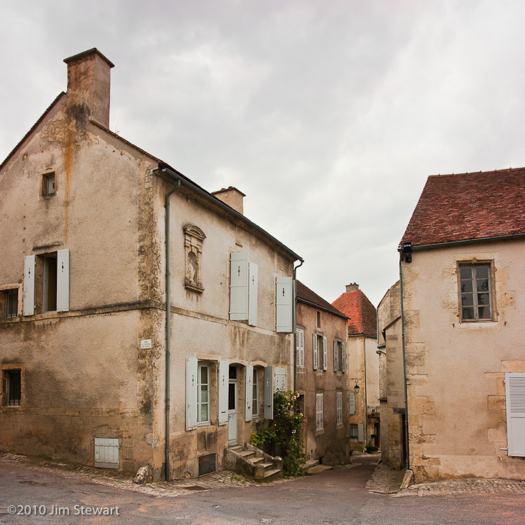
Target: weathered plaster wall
[456, 402]
[331, 445]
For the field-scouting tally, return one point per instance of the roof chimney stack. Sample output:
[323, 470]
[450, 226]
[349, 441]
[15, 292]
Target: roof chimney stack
[353, 287]
[232, 197]
[88, 83]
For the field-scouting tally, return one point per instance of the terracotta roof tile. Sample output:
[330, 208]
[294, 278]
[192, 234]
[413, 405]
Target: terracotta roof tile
[469, 206]
[304, 294]
[360, 311]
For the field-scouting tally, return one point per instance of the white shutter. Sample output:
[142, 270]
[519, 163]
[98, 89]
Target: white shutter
[336, 357]
[63, 281]
[343, 358]
[252, 293]
[280, 378]
[339, 408]
[515, 399]
[300, 347]
[248, 411]
[191, 393]
[239, 286]
[319, 409]
[284, 304]
[29, 285]
[325, 353]
[268, 392]
[351, 400]
[315, 352]
[360, 433]
[224, 368]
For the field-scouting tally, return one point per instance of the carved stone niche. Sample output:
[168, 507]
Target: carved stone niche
[193, 238]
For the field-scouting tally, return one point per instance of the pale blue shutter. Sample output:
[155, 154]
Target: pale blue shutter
[360, 433]
[284, 304]
[351, 400]
[280, 378]
[336, 357]
[29, 285]
[191, 393]
[515, 399]
[268, 392]
[252, 294]
[224, 368]
[325, 353]
[343, 357]
[315, 352]
[248, 410]
[239, 286]
[63, 281]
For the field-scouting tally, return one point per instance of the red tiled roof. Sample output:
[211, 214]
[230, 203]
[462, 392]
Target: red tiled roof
[360, 311]
[469, 206]
[305, 295]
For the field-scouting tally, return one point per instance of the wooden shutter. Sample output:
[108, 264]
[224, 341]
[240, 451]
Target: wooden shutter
[319, 409]
[339, 408]
[300, 347]
[239, 286]
[315, 352]
[515, 398]
[63, 281]
[280, 378]
[248, 410]
[336, 357]
[284, 304]
[252, 293]
[224, 368]
[268, 392]
[351, 401]
[325, 353]
[191, 393]
[360, 432]
[343, 358]
[29, 285]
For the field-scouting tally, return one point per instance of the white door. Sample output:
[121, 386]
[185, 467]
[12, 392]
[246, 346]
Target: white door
[232, 412]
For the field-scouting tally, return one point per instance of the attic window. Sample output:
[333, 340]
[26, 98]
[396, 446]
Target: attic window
[48, 184]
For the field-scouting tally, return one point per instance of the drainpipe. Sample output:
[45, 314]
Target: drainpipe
[366, 396]
[408, 258]
[168, 330]
[294, 327]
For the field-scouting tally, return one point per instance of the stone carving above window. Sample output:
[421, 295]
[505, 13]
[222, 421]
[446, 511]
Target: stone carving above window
[193, 239]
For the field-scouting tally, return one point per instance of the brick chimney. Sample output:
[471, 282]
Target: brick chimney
[88, 83]
[353, 287]
[232, 197]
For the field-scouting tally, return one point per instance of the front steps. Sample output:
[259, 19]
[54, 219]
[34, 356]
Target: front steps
[253, 462]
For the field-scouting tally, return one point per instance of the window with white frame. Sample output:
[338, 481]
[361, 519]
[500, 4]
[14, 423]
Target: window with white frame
[339, 408]
[319, 411]
[203, 395]
[319, 346]
[339, 356]
[475, 292]
[300, 347]
[255, 393]
[353, 433]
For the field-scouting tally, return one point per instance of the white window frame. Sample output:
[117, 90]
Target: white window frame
[299, 331]
[339, 408]
[199, 393]
[319, 411]
[255, 393]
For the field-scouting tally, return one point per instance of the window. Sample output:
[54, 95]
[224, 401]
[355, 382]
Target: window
[13, 387]
[339, 408]
[284, 305]
[339, 356]
[475, 292]
[9, 303]
[353, 433]
[319, 320]
[49, 284]
[357, 433]
[255, 396]
[244, 276]
[300, 347]
[203, 394]
[48, 184]
[319, 344]
[319, 412]
[515, 402]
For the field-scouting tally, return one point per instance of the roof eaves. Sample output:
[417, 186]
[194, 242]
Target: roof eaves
[462, 241]
[319, 307]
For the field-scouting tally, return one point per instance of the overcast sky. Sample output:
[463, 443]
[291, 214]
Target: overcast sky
[328, 115]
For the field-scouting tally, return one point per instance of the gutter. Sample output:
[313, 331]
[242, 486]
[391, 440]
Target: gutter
[294, 325]
[167, 466]
[463, 241]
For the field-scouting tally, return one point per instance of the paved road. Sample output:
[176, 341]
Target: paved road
[336, 497]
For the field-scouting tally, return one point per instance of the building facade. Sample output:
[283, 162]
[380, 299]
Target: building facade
[462, 268]
[96, 232]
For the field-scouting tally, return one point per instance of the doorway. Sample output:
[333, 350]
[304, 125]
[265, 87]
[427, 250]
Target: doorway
[232, 406]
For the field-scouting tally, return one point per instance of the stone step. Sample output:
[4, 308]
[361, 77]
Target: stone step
[266, 465]
[271, 473]
[310, 463]
[256, 460]
[246, 453]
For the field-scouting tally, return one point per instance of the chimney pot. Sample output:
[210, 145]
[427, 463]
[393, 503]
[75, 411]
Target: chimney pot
[232, 197]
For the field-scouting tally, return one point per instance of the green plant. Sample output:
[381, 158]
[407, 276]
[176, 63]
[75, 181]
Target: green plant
[285, 433]
[371, 448]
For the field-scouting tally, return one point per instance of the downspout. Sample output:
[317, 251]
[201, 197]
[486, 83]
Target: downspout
[366, 396]
[167, 466]
[407, 440]
[294, 327]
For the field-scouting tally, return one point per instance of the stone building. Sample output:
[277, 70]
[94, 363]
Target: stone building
[463, 298]
[392, 380]
[322, 377]
[98, 368]
[363, 365]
